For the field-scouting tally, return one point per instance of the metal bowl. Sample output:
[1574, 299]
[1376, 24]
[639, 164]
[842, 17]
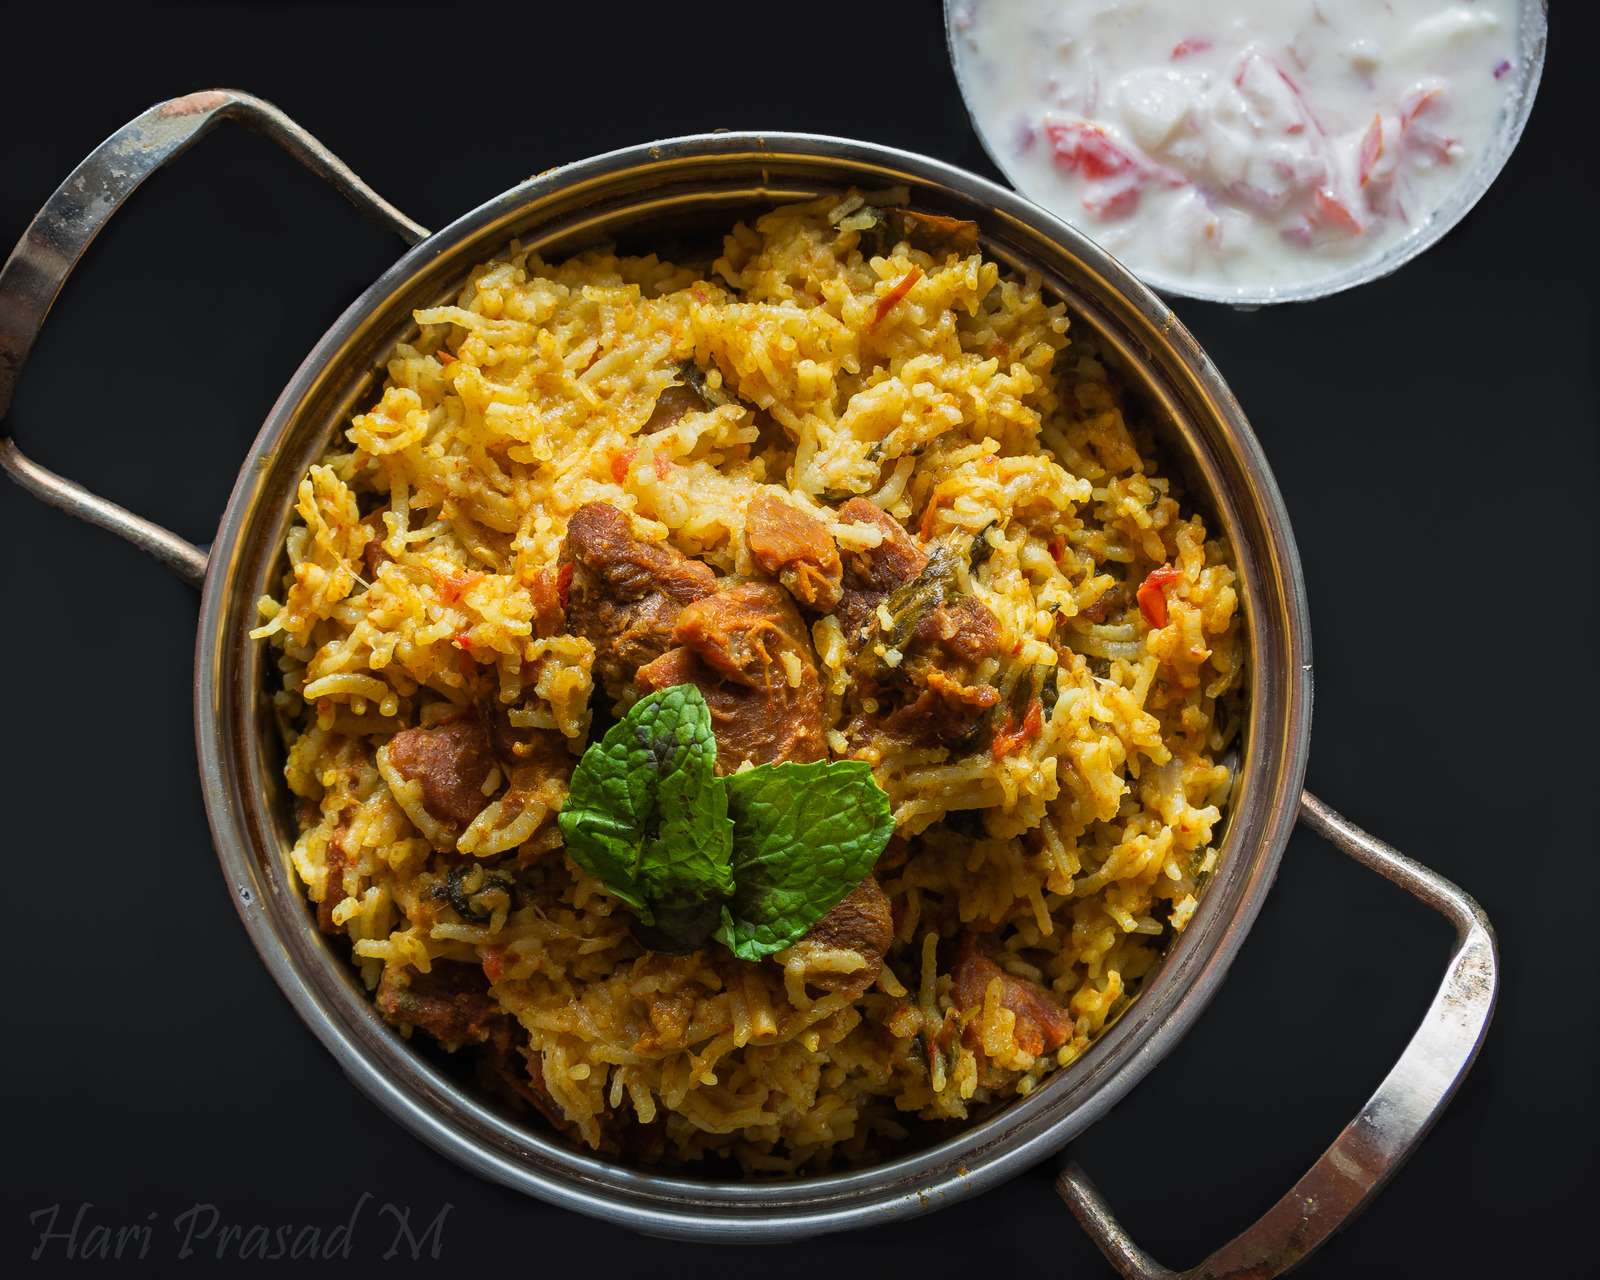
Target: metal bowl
[1532, 37]
[642, 194]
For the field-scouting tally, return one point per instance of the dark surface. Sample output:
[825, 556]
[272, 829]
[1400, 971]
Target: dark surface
[1434, 435]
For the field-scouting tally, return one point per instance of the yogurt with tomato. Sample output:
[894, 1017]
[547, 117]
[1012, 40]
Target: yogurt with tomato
[1238, 149]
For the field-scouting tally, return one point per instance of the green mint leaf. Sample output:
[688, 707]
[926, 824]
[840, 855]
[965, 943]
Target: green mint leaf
[647, 816]
[804, 836]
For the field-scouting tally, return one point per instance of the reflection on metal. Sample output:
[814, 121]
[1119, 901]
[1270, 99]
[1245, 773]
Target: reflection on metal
[183, 558]
[70, 220]
[1397, 1116]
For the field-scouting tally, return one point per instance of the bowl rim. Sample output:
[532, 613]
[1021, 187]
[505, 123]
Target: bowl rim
[431, 1106]
[1533, 41]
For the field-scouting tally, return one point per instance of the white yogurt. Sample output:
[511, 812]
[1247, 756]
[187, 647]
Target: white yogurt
[1265, 144]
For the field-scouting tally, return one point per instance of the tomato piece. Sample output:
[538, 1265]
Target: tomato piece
[1115, 174]
[1371, 149]
[1336, 212]
[1417, 102]
[1004, 740]
[1299, 234]
[620, 464]
[564, 583]
[1011, 736]
[1188, 45]
[886, 303]
[1087, 149]
[1152, 594]
[1113, 199]
[452, 586]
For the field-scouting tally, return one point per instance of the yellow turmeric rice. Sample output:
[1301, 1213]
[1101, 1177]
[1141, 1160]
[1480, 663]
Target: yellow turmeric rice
[1056, 786]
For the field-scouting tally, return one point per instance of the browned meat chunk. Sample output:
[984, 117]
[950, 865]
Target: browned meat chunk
[893, 562]
[452, 762]
[863, 922]
[943, 711]
[1041, 1024]
[733, 646]
[625, 593]
[947, 707]
[795, 546]
[964, 629]
[513, 745]
[870, 575]
[744, 631]
[452, 1003]
[509, 1068]
[672, 404]
[1113, 602]
[932, 697]
[677, 666]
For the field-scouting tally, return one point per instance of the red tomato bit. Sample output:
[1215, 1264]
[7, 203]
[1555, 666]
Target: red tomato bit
[620, 463]
[1116, 175]
[1112, 200]
[1086, 149]
[564, 583]
[1336, 212]
[1011, 736]
[886, 303]
[1188, 45]
[1371, 149]
[452, 586]
[1416, 102]
[1153, 597]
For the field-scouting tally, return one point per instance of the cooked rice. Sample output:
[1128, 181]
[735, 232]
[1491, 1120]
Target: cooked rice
[963, 408]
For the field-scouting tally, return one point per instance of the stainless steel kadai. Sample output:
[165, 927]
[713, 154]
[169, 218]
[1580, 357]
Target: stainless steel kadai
[706, 181]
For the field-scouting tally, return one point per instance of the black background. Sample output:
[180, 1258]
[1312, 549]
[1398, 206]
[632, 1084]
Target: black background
[1433, 433]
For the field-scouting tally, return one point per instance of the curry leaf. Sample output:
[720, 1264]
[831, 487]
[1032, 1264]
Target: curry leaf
[804, 836]
[647, 815]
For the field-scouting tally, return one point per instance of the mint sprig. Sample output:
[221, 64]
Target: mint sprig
[804, 836]
[647, 816]
[759, 857]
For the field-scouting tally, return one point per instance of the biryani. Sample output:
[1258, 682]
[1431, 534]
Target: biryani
[952, 672]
